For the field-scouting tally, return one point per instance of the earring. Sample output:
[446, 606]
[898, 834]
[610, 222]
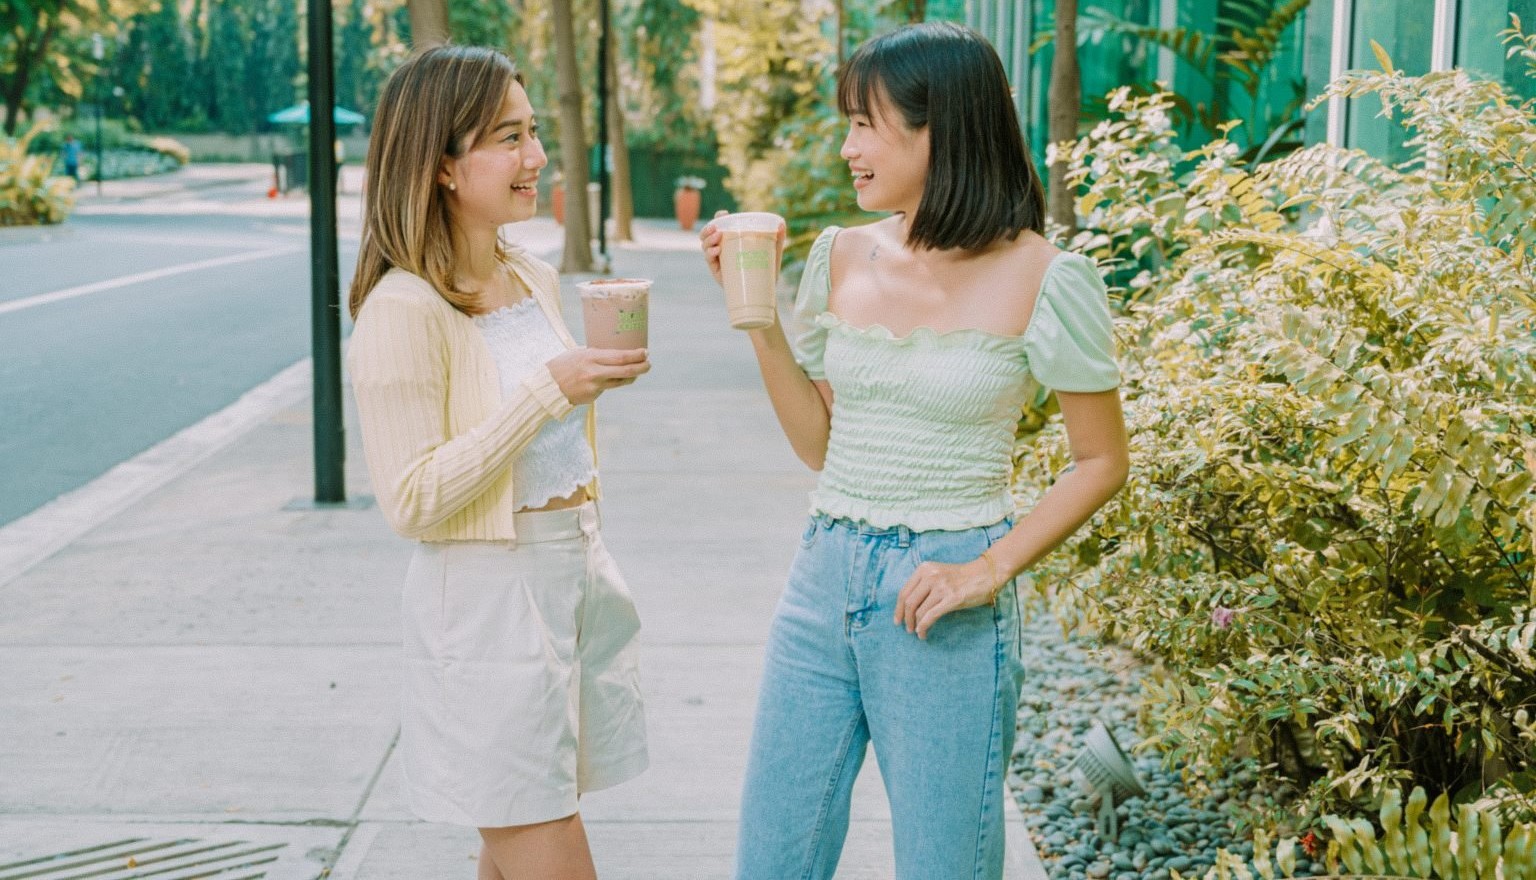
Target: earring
[452, 185]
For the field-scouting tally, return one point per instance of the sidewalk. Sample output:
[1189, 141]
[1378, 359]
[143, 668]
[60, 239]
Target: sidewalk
[210, 666]
[245, 178]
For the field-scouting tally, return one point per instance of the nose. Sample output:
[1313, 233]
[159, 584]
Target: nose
[847, 151]
[537, 159]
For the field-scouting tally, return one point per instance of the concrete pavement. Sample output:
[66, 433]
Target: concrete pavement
[210, 675]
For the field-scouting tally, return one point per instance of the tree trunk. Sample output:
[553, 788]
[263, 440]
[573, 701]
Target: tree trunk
[920, 11]
[573, 144]
[27, 59]
[429, 23]
[842, 24]
[1066, 104]
[623, 197]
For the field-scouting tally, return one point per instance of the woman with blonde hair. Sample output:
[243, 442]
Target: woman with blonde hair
[521, 684]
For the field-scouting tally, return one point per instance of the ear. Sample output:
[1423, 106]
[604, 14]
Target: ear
[445, 173]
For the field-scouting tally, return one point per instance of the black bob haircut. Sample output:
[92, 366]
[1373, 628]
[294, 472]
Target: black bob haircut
[981, 185]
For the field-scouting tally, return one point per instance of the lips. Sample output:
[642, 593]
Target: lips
[526, 189]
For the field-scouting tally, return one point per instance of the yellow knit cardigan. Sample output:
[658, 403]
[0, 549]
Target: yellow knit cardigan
[438, 436]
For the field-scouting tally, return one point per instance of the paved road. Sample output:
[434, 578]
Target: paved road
[138, 318]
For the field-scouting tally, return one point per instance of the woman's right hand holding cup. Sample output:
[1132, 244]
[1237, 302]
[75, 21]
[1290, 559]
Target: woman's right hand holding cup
[585, 373]
[710, 240]
[743, 252]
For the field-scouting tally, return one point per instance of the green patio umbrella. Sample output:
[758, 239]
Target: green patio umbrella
[298, 114]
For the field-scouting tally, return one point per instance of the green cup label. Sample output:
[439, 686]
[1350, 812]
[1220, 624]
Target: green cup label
[630, 320]
[753, 260]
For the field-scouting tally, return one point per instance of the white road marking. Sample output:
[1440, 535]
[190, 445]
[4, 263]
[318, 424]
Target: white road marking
[141, 277]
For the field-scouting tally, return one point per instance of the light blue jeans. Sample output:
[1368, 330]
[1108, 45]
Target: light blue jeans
[839, 674]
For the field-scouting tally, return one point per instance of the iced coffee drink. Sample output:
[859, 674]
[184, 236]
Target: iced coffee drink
[749, 265]
[614, 312]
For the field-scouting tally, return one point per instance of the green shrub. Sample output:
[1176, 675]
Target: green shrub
[1330, 375]
[29, 194]
[1467, 842]
[125, 152]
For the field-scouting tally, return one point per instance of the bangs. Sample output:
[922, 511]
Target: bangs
[857, 84]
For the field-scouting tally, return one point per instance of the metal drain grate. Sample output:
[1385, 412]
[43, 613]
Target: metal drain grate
[140, 858]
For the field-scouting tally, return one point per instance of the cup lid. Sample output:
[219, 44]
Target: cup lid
[750, 221]
[616, 282]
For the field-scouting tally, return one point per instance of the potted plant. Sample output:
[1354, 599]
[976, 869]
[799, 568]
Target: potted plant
[686, 200]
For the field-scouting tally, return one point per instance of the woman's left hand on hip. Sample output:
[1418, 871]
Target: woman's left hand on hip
[937, 588]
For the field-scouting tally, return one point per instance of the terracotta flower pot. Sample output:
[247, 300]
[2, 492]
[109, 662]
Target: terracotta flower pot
[557, 202]
[685, 202]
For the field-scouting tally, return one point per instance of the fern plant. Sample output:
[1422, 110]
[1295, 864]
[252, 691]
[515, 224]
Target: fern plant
[1330, 375]
[1462, 842]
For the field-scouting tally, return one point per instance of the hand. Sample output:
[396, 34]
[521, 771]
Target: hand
[937, 588]
[709, 241]
[585, 373]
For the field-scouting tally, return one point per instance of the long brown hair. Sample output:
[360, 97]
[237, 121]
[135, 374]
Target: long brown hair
[435, 105]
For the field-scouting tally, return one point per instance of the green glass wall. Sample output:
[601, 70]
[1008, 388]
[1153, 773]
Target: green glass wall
[1301, 67]
[1479, 49]
[1405, 28]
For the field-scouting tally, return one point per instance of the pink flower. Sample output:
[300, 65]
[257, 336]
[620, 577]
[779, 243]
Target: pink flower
[1221, 617]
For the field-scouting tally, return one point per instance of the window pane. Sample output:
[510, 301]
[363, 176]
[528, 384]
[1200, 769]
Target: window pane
[1405, 28]
[1278, 93]
[1478, 48]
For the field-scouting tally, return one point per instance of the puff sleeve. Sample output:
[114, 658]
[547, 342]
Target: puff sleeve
[1069, 342]
[808, 338]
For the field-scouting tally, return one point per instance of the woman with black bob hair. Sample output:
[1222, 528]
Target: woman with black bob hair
[914, 344]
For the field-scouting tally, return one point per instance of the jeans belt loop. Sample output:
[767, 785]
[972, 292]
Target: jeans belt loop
[903, 537]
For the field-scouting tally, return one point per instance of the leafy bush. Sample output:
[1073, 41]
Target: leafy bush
[1326, 541]
[29, 195]
[1464, 843]
[126, 153]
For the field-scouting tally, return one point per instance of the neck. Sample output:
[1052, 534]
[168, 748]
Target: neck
[476, 253]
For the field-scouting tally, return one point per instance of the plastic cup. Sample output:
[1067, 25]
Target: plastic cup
[749, 264]
[615, 312]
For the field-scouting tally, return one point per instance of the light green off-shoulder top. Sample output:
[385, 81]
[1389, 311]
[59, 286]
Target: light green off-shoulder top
[923, 425]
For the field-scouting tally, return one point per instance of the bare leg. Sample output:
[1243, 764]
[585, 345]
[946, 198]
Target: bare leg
[547, 851]
[487, 868]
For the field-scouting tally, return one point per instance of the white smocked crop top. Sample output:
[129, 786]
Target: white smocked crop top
[558, 460]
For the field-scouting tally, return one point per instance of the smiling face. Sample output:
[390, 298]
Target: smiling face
[494, 180]
[888, 160]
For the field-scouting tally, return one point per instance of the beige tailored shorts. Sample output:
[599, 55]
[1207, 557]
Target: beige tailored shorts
[522, 687]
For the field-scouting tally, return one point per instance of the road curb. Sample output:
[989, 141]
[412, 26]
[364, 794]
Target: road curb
[28, 541]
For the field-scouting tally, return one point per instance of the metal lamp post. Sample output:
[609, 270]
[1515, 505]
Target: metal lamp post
[99, 52]
[325, 311]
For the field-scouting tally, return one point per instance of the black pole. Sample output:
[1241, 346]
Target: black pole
[98, 135]
[99, 52]
[330, 441]
[602, 132]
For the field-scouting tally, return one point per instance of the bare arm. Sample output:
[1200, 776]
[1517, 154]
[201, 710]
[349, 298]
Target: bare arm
[1101, 461]
[803, 405]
